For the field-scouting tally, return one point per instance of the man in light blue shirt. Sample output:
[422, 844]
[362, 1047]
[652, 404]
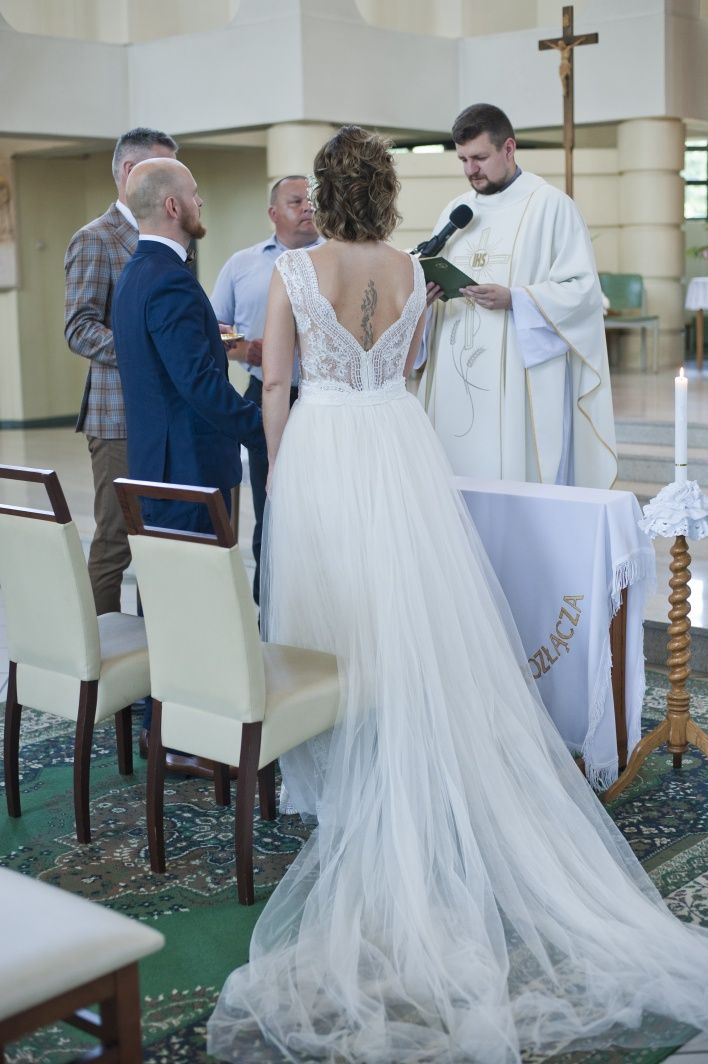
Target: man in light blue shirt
[240, 300]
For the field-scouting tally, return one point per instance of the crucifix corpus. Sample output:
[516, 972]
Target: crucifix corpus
[565, 46]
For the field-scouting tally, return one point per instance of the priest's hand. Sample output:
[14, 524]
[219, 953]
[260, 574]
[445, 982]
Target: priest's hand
[489, 296]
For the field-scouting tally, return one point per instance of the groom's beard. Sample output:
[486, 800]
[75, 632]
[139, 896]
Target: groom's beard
[194, 229]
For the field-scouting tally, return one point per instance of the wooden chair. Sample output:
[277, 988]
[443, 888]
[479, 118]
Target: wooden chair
[63, 659]
[60, 954]
[218, 692]
[625, 292]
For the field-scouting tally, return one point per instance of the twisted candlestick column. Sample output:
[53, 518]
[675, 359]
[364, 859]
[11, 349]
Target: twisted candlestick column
[679, 648]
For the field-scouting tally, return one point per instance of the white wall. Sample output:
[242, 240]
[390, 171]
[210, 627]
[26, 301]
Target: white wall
[325, 63]
[116, 21]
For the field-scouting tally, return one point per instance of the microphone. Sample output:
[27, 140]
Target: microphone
[460, 217]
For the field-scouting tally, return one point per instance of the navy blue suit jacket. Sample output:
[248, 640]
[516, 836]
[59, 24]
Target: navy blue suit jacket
[185, 421]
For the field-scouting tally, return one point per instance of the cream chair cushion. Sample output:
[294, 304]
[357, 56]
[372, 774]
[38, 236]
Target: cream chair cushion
[124, 672]
[51, 616]
[53, 941]
[201, 624]
[302, 697]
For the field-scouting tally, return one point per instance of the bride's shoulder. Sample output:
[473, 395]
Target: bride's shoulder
[290, 263]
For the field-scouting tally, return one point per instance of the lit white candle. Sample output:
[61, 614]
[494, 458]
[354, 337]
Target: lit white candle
[681, 426]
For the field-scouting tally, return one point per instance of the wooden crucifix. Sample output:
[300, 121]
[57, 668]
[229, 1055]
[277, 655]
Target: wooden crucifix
[565, 46]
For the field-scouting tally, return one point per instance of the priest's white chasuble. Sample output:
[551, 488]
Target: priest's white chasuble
[499, 412]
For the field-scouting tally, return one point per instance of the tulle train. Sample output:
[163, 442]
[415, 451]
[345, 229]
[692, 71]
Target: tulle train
[465, 896]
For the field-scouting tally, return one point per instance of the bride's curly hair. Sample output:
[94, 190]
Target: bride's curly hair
[355, 187]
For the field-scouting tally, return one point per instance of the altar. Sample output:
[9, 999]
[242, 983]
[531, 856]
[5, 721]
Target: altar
[566, 558]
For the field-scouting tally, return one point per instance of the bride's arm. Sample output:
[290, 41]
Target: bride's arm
[415, 344]
[278, 348]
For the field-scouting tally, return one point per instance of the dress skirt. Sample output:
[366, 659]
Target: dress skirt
[465, 896]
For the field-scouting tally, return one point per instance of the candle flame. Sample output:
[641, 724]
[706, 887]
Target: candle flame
[681, 373]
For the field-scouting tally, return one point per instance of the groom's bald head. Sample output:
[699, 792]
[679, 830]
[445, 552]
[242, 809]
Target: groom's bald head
[162, 194]
[151, 182]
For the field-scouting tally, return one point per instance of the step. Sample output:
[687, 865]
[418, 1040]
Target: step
[638, 430]
[651, 463]
[643, 493]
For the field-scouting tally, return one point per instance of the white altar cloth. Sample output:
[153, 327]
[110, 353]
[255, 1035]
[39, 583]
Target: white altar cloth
[697, 294]
[563, 556]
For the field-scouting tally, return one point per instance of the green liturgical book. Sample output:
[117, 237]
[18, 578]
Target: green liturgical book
[442, 272]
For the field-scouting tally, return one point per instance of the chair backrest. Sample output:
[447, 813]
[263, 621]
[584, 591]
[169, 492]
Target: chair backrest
[203, 638]
[51, 616]
[625, 292]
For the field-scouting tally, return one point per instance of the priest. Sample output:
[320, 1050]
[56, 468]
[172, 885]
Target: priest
[517, 381]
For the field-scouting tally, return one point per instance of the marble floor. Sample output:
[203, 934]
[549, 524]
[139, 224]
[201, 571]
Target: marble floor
[646, 396]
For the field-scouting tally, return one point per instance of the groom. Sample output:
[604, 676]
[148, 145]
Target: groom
[185, 422]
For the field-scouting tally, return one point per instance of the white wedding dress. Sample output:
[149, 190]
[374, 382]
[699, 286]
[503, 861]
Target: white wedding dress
[465, 896]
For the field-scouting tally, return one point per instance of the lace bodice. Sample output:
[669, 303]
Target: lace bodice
[330, 356]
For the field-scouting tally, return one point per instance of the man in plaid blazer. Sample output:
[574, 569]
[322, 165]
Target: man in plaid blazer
[94, 261]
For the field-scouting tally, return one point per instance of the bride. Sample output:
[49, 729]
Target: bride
[465, 897]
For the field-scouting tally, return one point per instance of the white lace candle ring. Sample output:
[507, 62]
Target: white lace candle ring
[680, 509]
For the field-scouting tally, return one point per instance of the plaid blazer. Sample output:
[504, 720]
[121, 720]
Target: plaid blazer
[93, 263]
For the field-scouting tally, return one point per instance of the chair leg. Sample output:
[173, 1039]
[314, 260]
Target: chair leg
[88, 695]
[266, 792]
[156, 791]
[245, 801]
[124, 740]
[13, 713]
[222, 784]
[120, 1016]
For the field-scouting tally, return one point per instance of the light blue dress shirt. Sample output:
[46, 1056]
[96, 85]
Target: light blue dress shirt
[240, 295]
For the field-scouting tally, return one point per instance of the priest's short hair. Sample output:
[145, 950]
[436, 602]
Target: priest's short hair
[482, 118]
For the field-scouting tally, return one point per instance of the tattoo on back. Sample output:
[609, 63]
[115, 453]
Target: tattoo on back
[368, 306]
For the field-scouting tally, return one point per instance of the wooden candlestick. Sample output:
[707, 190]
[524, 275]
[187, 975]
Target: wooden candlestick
[677, 729]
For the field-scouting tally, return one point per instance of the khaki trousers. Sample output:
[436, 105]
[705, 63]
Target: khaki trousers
[109, 556]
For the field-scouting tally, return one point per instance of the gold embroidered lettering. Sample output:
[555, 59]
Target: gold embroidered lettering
[539, 658]
[558, 643]
[532, 663]
[551, 660]
[542, 660]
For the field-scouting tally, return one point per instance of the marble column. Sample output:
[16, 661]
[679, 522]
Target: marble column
[292, 146]
[650, 156]
[11, 400]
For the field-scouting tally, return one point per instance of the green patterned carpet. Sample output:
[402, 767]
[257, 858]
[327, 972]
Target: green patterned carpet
[664, 815]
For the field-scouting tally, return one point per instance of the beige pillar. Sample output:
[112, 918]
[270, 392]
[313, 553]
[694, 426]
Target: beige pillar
[650, 156]
[11, 408]
[291, 147]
